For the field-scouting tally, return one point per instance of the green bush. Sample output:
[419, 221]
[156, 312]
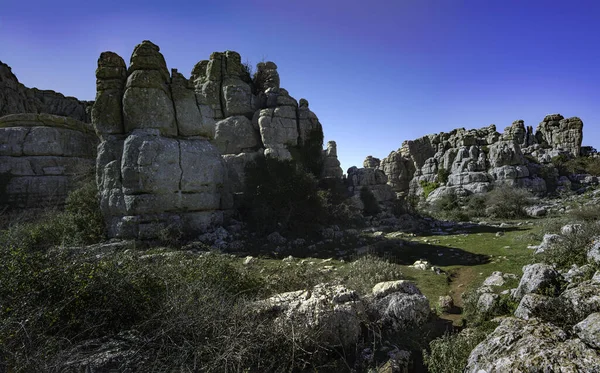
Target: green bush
[80, 223]
[573, 248]
[506, 202]
[309, 155]
[567, 165]
[365, 272]
[449, 207]
[428, 187]
[588, 213]
[450, 353]
[371, 206]
[279, 195]
[442, 175]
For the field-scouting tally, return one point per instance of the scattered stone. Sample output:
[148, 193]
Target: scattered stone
[538, 278]
[588, 330]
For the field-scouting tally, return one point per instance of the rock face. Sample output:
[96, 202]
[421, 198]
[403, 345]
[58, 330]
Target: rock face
[150, 175]
[371, 178]
[532, 346]
[40, 155]
[15, 98]
[174, 150]
[473, 161]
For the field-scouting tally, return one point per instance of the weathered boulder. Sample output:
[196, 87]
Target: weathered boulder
[278, 130]
[531, 346]
[399, 305]
[331, 310]
[588, 330]
[235, 135]
[538, 278]
[40, 157]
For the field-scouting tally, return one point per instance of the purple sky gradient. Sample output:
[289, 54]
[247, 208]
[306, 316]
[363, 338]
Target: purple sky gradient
[376, 73]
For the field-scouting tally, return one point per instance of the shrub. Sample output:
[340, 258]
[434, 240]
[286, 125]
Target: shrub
[309, 155]
[449, 207]
[365, 272]
[508, 202]
[450, 353]
[573, 248]
[81, 223]
[278, 195]
[567, 165]
[371, 206]
[585, 213]
[442, 175]
[428, 187]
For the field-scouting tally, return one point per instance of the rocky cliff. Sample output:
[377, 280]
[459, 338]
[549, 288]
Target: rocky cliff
[46, 142]
[15, 98]
[472, 161]
[173, 149]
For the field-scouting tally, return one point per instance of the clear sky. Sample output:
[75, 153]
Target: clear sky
[376, 73]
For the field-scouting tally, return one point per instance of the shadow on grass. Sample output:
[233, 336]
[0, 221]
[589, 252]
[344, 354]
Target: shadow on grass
[406, 253]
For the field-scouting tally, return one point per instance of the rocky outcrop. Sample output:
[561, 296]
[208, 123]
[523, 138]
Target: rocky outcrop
[532, 346]
[473, 161]
[15, 98]
[40, 157]
[174, 150]
[372, 179]
[150, 176]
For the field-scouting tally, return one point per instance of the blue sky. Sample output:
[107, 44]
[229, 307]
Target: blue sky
[376, 73]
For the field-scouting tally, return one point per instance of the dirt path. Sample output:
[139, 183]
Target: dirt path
[460, 279]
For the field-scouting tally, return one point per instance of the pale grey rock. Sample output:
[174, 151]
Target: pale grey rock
[235, 165]
[537, 278]
[190, 119]
[536, 211]
[593, 254]
[531, 305]
[400, 311]
[333, 310]
[588, 330]
[383, 289]
[582, 299]
[487, 302]
[495, 279]
[235, 135]
[107, 111]
[371, 162]
[531, 346]
[445, 303]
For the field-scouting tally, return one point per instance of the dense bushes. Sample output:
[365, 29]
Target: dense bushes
[578, 165]
[503, 202]
[450, 353]
[428, 187]
[279, 195]
[573, 247]
[81, 222]
[507, 202]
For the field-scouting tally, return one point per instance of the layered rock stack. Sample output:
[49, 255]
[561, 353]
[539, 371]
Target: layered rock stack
[473, 161]
[46, 143]
[41, 155]
[174, 150]
[373, 179]
[15, 98]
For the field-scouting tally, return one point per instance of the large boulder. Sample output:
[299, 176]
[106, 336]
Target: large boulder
[41, 156]
[531, 346]
[333, 311]
[399, 305]
[538, 278]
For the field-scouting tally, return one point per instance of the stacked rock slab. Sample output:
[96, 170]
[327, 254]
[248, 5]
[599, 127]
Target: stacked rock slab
[15, 98]
[473, 161]
[41, 155]
[371, 178]
[152, 172]
[174, 150]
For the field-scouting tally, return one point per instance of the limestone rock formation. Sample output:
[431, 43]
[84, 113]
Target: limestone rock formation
[174, 150]
[473, 161]
[40, 155]
[372, 179]
[15, 98]
[532, 346]
[149, 176]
